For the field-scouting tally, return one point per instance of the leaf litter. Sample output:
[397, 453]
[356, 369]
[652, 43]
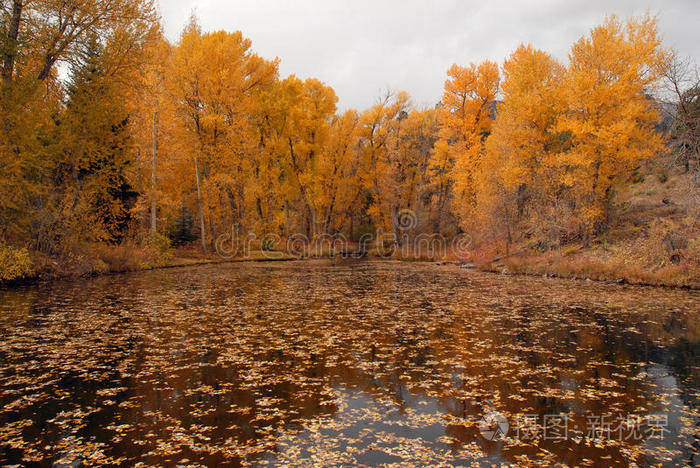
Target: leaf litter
[379, 363]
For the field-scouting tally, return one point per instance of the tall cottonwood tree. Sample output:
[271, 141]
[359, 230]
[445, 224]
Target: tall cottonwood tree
[610, 118]
[338, 187]
[379, 131]
[519, 175]
[307, 137]
[157, 139]
[466, 117]
[214, 78]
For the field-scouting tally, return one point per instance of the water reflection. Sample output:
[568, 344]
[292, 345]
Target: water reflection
[374, 363]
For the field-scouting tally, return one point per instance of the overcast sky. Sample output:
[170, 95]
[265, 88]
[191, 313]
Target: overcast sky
[362, 47]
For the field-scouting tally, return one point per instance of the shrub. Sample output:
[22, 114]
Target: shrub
[154, 251]
[637, 178]
[161, 243]
[116, 258]
[662, 176]
[157, 250]
[15, 263]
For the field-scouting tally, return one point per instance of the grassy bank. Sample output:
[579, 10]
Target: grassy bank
[586, 266]
[596, 264]
[654, 238]
[100, 259]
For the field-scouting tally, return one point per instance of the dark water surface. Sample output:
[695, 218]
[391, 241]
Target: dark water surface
[374, 363]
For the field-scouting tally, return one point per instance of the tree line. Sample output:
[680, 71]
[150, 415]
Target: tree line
[111, 132]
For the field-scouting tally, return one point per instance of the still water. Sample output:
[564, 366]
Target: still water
[375, 363]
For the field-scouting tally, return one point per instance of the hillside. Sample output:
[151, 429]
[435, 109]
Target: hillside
[653, 237]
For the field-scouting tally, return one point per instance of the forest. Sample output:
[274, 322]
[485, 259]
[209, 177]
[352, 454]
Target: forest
[117, 145]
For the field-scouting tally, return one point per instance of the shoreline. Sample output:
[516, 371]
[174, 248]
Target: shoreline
[622, 281]
[180, 262]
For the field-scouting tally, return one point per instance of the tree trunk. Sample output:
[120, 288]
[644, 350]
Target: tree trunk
[200, 203]
[286, 218]
[154, 226]
[395, 228]
[48, 65]
[8, 65]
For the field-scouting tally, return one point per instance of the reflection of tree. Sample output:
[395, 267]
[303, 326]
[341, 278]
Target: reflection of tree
[225, 356]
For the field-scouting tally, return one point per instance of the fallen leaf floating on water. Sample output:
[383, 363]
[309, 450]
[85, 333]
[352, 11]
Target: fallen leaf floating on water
[261, 364]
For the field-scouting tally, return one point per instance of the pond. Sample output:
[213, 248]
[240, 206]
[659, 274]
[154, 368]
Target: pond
[373, 363]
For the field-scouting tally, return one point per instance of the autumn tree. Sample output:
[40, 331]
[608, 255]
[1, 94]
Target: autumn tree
[610, 117]
[214, 78]
[337, 189]
[518, 176]
[307, 136]
[409, 162]
[265, 190]
[25, 116]
[466, 116]
[379, 130]
[40, 33]
[91, 194]
[36, 35]
[153, 128]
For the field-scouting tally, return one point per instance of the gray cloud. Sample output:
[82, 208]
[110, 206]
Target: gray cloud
[363, 47]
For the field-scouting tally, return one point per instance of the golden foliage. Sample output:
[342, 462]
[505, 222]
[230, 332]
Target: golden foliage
[194, 138]
[610, 117]
[468, 105]
[14, 263]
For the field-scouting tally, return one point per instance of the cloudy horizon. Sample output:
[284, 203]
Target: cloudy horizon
[363, 48]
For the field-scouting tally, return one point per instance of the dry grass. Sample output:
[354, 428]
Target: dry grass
[128, 256]
[654, 237]
[588, 267]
